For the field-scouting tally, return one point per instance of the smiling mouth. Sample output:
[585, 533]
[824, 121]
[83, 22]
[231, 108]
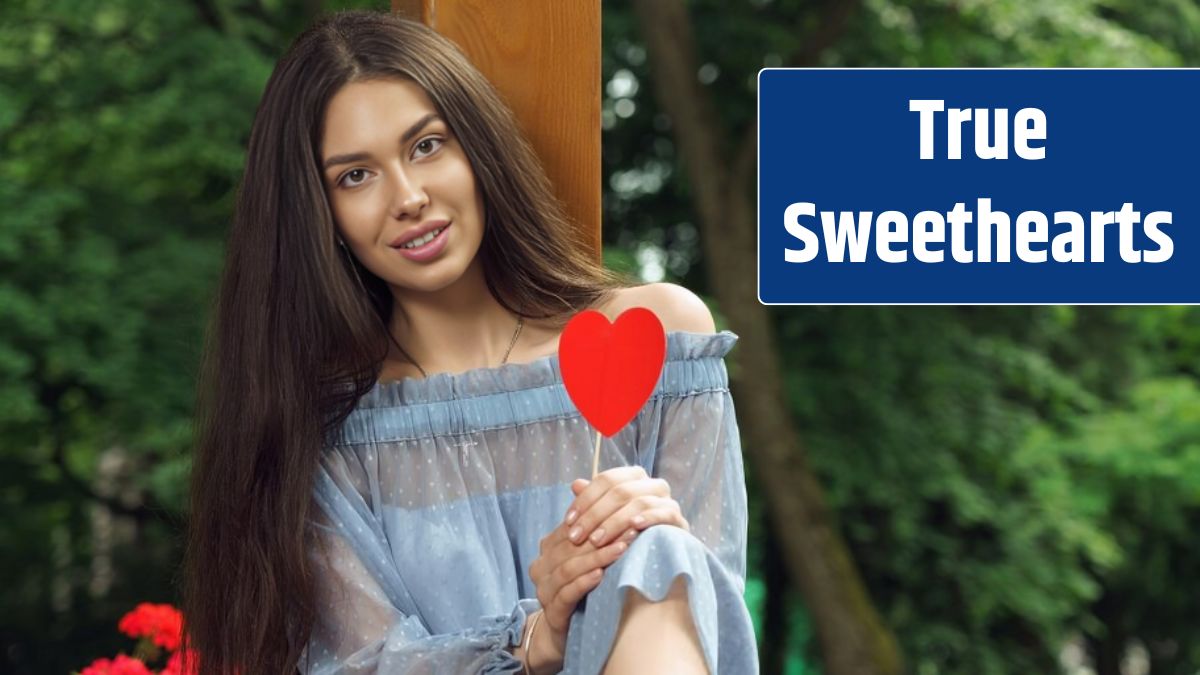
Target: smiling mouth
[422, 240]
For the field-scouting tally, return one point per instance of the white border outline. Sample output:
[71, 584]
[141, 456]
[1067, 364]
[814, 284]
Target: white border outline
[758, 206]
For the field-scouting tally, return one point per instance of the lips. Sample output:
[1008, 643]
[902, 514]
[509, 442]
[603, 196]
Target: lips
[427, 252]
[418, 231]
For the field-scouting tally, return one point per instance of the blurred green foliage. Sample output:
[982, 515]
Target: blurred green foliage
[914, 417]
[1009, 479]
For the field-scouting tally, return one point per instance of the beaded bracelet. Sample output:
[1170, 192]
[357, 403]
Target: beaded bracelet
[528, 640]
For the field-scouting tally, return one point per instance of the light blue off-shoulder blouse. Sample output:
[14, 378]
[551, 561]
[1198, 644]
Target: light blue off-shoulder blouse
[434, 496]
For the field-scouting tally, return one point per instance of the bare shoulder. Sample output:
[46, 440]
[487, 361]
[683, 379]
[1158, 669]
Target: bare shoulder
[678, 308]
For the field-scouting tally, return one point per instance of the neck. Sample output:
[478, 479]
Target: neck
[452, 329]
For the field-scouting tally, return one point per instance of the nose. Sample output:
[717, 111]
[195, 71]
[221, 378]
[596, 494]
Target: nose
[410, 196]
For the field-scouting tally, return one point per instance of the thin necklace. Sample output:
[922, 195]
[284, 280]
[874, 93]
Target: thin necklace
[350, 259]
[511, 343]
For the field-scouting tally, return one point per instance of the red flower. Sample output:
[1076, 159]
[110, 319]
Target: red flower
[163, 624]
[122, 665]
[159, 628]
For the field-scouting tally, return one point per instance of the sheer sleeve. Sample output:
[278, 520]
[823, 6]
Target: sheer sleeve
[688, 435]
[362, 624]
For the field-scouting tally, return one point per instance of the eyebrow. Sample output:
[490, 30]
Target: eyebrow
[360, 156]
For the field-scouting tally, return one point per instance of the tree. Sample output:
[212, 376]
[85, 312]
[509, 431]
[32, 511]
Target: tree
[910, 414]
[853, 638]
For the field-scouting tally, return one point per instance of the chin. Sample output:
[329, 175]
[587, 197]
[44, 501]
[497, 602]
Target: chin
[435, 278]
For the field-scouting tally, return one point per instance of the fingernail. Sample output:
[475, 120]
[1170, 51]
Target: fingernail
[570, 516]
[638, 520]
[620, 547]
[574, 534]
[631, 534]
[598, 535]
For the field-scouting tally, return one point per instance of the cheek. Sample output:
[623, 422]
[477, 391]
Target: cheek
[353, 214]
[479, 209]
[471, 192]
[461, 179]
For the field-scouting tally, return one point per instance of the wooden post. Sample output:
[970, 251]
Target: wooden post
[544, 58]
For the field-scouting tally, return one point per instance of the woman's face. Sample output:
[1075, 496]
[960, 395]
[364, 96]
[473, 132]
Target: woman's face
[391, 170]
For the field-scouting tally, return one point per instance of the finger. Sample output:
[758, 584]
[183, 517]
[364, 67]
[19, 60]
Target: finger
[559, 548]
[603, 484]
[589, 522]
[573, 577]
[628, 536]
[577, 487]
[586, 548]
[639, 514]
[556, 548]
[589, 558]
[568, 566]
[554, 538]
[558, 611]
[599, 485]
[667, 514]
[579, 559]
[558, 536]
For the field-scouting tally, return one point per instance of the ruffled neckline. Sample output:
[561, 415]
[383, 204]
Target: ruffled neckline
[540, 372]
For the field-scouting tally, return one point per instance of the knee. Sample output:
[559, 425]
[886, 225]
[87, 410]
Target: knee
[653, 560]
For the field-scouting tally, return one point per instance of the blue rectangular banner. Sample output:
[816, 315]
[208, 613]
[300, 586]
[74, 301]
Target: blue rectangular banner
[978, 186]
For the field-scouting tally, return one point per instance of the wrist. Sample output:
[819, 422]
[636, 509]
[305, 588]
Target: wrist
[545, 649]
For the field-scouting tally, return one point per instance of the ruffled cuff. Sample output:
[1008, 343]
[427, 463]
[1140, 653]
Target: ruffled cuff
[504, 631]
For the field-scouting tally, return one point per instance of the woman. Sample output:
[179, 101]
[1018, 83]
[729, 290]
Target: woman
[386, 454]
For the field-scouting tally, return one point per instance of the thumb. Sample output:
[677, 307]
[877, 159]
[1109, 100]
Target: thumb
[579, 485]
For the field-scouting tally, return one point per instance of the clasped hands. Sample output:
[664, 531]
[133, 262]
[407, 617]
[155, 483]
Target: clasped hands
[607, 514]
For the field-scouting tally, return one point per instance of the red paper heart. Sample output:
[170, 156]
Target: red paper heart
[610, 369]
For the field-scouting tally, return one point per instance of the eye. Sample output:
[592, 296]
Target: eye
[429, 144]
[349, 173]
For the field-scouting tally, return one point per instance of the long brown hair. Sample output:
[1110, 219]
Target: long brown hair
[293, 341]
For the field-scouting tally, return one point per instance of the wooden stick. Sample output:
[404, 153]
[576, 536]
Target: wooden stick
[596, 456]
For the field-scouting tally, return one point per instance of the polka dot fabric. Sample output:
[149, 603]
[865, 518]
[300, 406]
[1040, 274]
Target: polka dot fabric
[434, 495]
